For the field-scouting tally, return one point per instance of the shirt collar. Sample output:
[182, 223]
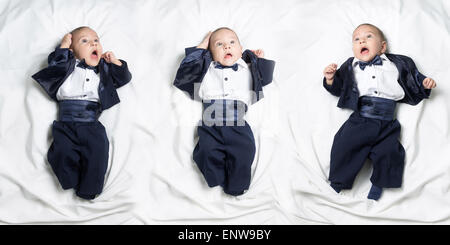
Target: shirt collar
[240, 62]
[92, 68]
[356, 60]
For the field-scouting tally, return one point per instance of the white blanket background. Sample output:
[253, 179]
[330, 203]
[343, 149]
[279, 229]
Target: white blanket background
[152, 178]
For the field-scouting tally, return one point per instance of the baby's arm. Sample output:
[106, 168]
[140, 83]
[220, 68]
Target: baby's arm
[429, 83]
[63, 54]
[204, 44]
[119, 69]
[59, 62]
[264, 66]
[329, 73]
[67, 41]
[193, 67]
[259, 53]
[111, 58]
[332, 80]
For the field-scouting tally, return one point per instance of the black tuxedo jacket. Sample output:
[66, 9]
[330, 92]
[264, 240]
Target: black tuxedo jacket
[410, 79]
[61, 63]
[196, 63]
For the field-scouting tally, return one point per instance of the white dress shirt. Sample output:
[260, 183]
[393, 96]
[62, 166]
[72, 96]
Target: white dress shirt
[227, 83]
[378, 80]
[82, 84]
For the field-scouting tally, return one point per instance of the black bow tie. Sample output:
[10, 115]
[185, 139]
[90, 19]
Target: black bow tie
[375, 61]
[219, 66]
[82, 64]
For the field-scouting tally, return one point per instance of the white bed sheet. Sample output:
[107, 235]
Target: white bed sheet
[152, 178]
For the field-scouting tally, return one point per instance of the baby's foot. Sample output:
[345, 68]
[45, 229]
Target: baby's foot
[375, 192]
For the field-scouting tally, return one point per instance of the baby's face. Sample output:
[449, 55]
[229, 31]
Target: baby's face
[367, 43]
[225, 47]
[86, 45]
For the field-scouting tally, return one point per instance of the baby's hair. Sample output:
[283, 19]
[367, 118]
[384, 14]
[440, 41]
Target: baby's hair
[383, 38]
[222, 28]
[79, 29]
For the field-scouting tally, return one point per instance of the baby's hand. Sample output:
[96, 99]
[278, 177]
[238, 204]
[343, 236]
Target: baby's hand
[259, 53]
[329, 72]
[204, 44]
[111, 58]
[66, 41]
[429, 83]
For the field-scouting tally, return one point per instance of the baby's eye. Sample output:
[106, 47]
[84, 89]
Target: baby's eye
[232, 42]
[96, 40]
[356, 39]
[369, 36]
[84, 40]
[219, 44]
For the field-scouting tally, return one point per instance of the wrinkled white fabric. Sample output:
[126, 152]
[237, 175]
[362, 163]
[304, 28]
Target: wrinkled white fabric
[152, 178]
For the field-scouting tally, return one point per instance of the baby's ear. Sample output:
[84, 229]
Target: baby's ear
[383, 47]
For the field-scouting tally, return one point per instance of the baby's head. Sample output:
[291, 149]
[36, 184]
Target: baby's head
[225, 46]
[86, 45]
[368, 41]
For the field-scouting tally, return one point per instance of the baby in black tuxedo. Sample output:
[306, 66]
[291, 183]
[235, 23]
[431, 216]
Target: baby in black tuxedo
[371, 83]
[83, 81]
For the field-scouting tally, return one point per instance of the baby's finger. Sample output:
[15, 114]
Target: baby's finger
[206, 39]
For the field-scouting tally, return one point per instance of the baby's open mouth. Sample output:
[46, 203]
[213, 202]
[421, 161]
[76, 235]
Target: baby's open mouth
[364, 50]
[228, 55]
[94, 54]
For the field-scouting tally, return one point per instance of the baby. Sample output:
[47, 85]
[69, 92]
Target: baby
[227, 80]
[370, 84]
[83, 81]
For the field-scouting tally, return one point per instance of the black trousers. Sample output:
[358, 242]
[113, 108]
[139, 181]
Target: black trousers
[78, 156]
[224, 155]
[360, 138]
